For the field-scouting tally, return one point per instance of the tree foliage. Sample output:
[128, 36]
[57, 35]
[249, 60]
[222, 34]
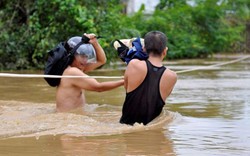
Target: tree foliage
[29, 28]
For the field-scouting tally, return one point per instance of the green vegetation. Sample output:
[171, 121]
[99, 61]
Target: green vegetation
[29, 28]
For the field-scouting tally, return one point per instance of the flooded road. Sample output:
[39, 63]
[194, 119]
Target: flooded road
[207, 114]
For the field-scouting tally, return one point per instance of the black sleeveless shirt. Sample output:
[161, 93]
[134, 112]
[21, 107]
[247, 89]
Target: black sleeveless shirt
[144, 103]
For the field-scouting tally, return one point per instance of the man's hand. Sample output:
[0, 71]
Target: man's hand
[92, 37]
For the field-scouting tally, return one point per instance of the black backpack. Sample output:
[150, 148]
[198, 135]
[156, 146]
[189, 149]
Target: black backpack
[58, 60]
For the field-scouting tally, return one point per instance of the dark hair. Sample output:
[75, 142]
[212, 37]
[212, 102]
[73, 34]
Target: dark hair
[155, 42]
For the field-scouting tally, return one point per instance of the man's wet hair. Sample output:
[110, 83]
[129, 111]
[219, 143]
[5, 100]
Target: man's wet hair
[155, 42]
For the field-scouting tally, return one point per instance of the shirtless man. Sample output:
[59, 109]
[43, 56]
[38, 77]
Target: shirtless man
[147, 82]
[70, 92]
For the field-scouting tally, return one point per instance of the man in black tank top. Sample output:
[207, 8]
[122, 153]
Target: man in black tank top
[147, 83]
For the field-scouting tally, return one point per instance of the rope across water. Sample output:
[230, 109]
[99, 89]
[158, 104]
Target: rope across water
[116, 77]
[215, 65]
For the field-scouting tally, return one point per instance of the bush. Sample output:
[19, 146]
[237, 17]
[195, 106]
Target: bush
[31, 28]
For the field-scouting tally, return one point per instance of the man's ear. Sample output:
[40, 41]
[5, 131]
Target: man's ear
[165, 51]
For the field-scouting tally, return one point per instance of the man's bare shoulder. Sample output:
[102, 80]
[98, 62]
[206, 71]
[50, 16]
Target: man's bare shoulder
[170, 74]
[72, 71]
[136, 64]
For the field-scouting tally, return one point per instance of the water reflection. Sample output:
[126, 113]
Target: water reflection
[217, 136]
[153, 142]
[223, 96]
[139, 143]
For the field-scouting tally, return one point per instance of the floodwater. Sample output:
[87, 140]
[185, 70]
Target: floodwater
[207, 114]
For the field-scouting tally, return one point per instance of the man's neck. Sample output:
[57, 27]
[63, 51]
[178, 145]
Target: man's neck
[155, 60]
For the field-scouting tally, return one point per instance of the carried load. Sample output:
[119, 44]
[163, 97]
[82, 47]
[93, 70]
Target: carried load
[63, 54]
[129, 49]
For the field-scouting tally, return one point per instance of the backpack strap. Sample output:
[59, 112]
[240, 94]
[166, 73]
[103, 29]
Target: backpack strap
[72, 52]
[120, 42]
[84, 40]
[122, 50]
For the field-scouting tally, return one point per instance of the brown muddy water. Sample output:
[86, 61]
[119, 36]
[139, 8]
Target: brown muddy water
[207, 114]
